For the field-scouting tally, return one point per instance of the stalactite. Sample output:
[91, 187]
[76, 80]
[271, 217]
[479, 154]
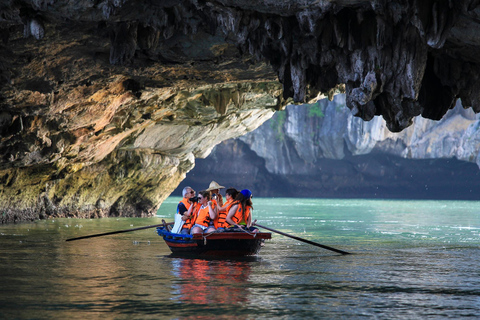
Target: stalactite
[124, 43]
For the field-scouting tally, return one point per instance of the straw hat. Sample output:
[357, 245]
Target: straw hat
[213, 185]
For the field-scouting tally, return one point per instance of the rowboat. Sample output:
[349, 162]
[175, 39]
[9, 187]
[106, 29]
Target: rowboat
[231, 243]
[238, 243]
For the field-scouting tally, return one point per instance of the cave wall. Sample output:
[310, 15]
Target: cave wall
[105, 105]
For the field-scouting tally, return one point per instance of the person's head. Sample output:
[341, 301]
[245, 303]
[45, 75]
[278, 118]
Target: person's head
[231, 193]
[203, 197]
[188, 192]
[246, 193]
[214, 187]
[244, 197]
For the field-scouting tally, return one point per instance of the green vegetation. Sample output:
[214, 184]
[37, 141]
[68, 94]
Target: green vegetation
[277, 122]
[314, 110]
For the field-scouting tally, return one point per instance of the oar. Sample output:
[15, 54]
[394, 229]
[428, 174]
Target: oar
[303, 240]
[121, 231]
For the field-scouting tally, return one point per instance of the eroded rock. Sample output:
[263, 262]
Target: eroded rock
[104, 105]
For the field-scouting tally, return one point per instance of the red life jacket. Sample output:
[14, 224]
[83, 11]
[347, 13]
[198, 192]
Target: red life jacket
[220, 220]
[203, 216]
[190, 221]
[239, 217]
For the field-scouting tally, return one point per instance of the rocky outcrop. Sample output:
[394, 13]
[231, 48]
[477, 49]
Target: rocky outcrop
[321, 150]
[336, 134]
[104, 105]
[124, 158]
[397, 59]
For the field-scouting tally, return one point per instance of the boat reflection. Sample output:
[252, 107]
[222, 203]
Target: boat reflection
[220, 282]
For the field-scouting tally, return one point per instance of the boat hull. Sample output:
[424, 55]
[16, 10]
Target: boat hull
[215, 244]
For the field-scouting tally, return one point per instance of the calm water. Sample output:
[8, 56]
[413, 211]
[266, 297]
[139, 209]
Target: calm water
[413, 260]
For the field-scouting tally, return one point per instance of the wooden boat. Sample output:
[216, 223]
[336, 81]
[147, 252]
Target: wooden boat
[238, 243]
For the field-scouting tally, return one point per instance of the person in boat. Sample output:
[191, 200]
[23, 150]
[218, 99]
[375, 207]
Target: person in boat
[189, 217]
[220, 222]
[204, 214]
[215, 196]
[240, 213]
[183, 217]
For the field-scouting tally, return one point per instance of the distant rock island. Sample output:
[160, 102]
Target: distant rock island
[320, 150]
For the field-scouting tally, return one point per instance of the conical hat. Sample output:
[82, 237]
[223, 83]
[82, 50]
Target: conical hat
[213, 185]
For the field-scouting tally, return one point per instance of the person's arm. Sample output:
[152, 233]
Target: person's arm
[224, 207]
[249, 219]
[214, 204]
[230, 214]
[189, 212]
[211, 210]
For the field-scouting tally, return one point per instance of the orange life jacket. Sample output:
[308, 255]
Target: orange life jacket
[214, 202]
[185, 203]
[203, 216]
[239, 217]
[190, 221]
[219, 221]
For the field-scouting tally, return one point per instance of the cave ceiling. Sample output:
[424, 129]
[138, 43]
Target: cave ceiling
[398, 59]
[89, 82]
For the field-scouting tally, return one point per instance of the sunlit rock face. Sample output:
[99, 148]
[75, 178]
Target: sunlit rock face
[104, 105]
[90, 128]
[321, 150]
[294, 142]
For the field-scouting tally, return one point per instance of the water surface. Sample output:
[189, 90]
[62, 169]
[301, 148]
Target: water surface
[412, 260]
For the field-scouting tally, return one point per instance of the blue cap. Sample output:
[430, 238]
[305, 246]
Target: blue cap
[246, 193]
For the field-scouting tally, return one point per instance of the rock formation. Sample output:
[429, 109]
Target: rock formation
[321, 150]
[105, 104]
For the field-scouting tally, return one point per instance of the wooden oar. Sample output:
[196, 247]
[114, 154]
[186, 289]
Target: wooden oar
[303, 240]
[121, 231]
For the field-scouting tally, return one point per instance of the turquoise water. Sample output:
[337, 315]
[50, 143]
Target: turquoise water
[411, 260]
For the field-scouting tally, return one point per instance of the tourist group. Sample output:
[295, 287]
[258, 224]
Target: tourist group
[207, 212]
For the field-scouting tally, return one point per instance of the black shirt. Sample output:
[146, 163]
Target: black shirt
[181, 209]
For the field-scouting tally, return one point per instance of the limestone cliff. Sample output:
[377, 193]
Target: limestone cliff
[105, 104]
[328, 130]
[321, 150]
